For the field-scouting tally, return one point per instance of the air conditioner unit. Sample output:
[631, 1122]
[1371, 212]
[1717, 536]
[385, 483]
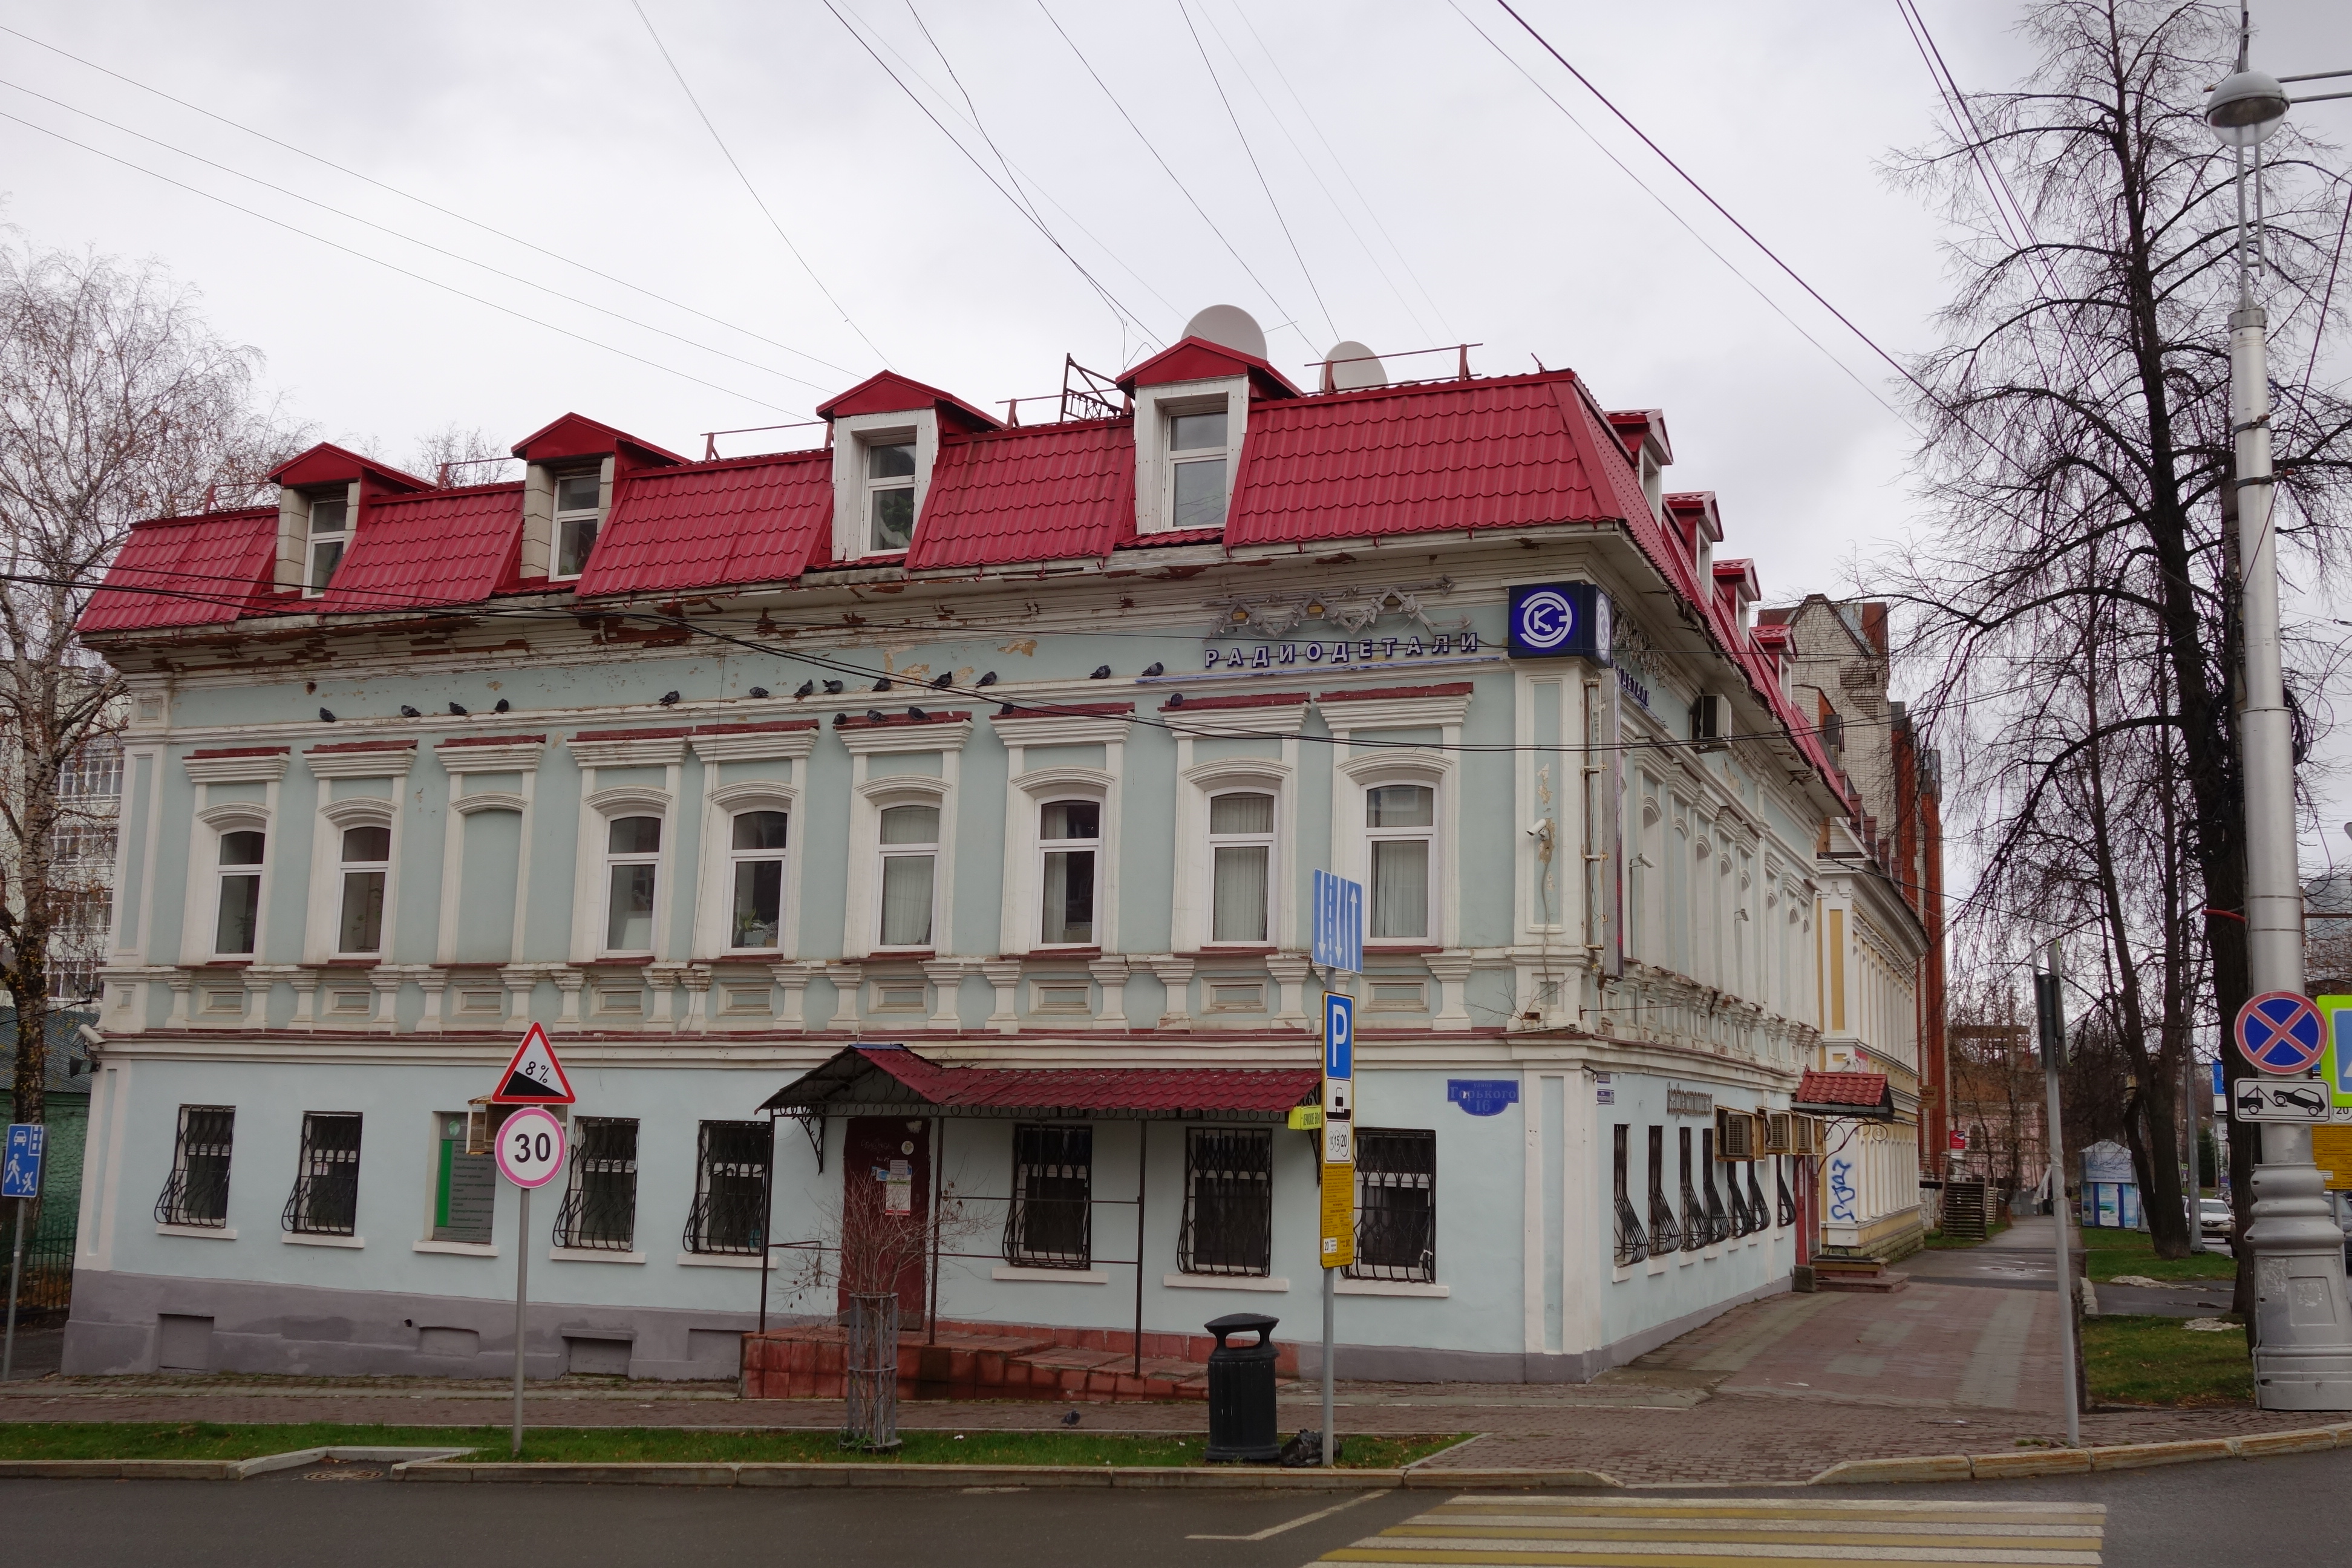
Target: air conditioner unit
[1711, 721]
[1735, 1135]
[1780, 1127]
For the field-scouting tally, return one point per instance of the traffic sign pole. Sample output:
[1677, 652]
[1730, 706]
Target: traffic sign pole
[522, 1301]
[15, 1272]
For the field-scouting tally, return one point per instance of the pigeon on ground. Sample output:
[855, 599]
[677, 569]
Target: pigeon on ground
[807, 689]
[408, 712]
[326, 717]
[944, 681]
[1155, 668]
[759, 691]
[668, 697]
[988, 679]
[1102, 672]
[502, 707]
[1071, 1419]
[459, 709]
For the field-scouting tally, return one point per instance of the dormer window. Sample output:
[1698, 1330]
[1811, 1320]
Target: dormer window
[330, 530]
[1653, 484]
[889, 496]
[1196, 469]
[577, 513]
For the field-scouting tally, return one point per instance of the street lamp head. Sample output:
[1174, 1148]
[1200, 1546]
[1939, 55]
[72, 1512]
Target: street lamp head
[2246, 108]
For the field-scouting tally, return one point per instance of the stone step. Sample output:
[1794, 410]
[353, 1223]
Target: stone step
[1884, 1281]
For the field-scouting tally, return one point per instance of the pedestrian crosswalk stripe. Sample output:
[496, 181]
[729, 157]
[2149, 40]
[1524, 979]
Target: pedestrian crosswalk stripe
[1726, 1532]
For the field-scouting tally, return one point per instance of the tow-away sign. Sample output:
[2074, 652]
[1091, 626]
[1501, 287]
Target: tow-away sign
[534, 1077]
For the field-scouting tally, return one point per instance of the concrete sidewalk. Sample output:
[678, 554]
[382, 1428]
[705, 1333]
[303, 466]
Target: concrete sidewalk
[1773, 1391]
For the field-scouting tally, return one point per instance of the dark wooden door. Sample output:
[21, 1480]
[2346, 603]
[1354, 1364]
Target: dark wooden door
[886, 1208]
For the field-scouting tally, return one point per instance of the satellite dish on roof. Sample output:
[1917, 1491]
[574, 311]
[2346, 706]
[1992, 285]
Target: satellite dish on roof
[1350, 365]
[1231, 326]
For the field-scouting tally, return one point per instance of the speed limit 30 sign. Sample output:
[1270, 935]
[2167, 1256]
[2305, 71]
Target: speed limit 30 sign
[531, 1147]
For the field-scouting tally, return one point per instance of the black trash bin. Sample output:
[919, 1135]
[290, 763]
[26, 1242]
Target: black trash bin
[1241, 1391]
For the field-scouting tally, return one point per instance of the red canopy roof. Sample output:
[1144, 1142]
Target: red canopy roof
[889, 1079]
[1844, 1093]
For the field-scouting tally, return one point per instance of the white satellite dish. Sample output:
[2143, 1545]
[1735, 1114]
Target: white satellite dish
[1350, 365]
[1231, 326]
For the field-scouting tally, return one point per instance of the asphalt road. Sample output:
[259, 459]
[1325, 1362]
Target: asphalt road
[2295, 1510]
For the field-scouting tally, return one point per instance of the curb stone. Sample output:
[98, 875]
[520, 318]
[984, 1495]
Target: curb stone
[2078, 1461]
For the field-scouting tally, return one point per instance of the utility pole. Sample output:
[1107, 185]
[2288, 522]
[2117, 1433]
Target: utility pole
[2050, 1012]
[2303, 1338]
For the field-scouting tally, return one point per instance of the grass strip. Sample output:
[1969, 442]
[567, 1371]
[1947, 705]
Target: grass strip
[2108, 1253]
[624, 1445]
[2160, 1362]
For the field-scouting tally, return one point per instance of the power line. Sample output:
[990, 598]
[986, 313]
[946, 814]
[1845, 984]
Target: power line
[1173, 177]
[410, 239]
[757, 200]
[972, 114]
[391, 266]
[420, 200]
[1051, 239]
[1251, 153]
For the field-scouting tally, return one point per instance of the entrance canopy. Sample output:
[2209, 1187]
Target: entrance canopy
[891, 1080]
[1862, 1096]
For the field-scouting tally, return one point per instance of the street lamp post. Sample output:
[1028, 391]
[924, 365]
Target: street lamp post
[2303, 1321]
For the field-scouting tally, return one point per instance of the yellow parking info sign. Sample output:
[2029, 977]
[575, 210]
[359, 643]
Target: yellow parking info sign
[1339, 1215]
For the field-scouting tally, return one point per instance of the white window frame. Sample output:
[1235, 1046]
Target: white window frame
[723, 805]
[1211, 842]
[1155, 410]
[1395, 775]
[1432, 768]
[888, 799]
[862, 908]
[1183, 457]
[562, 521]
[878, 485]
[224, 821]
[339, 818]
[1098, 847]
[313, 538]
[608, 859]
[853, 524]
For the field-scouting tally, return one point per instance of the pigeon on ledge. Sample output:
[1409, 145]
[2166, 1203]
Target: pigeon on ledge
[807, 689]
[668, 698]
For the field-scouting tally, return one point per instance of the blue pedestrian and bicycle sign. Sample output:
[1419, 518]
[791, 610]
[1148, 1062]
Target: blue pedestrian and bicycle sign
[2280, 1032]
[21, 1177]
[1339, 923]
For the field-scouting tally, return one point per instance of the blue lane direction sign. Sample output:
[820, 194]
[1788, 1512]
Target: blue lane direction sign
[1339, 923]
[2280, 1032]
[1338, 1036]
[20, 1177]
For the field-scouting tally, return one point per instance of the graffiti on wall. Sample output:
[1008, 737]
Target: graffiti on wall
[1842, 1190]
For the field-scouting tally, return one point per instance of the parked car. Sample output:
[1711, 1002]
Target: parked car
[2213, 1218]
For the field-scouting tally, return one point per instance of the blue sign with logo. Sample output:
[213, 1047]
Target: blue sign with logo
[1339, 924]
[1560, 620]
[20, 1177]
[1338, 1036]
[1483, 1096]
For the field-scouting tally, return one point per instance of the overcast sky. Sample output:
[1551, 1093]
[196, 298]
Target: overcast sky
[1427, 194]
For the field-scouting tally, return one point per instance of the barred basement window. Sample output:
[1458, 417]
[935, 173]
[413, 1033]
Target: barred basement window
[1718, 1223]
[1632, 1244]
[1396, 1206]
[1050, 1224]
[196, 1191]
[731, 1188]
[1666, 1236]
[1756, 1205]
[1788, 1200]
[325, 1197]
[1228, 1202]
[598, 1212]
[1694, 1212]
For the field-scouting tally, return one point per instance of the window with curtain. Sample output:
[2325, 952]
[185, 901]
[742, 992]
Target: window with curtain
[1069, 835]
[756, 856]
[1240, 849]
[325, 1197]
[239, 900]
[631, 860]
[366, 859]
[1400, 820]
[910, 850]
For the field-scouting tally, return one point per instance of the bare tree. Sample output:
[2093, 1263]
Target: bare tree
[117, 403]
[2074, 603]
[456, 456]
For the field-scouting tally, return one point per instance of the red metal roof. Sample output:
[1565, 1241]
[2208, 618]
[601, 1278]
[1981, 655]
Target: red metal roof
[1257, 1092]
[443, 547]
[1866, 1089]
[711, 525]
[888, 391]
[1051, 492]
[187, 571]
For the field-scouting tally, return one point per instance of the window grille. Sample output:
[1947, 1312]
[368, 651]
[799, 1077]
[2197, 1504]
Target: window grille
[1666, 1236]
[1050, 1223]
[1788, 1200]
[1694, 1231]
[196, 1191]
[1736, 1204]
[1396, 1206]
[1228, 1202]
[731, 1188]
[1632, 1244]
[598, 1212]
[1719, 1223]
[1756, 1209]
[325, 1197]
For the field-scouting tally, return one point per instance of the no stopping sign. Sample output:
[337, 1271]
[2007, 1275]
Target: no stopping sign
[531, 1147]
